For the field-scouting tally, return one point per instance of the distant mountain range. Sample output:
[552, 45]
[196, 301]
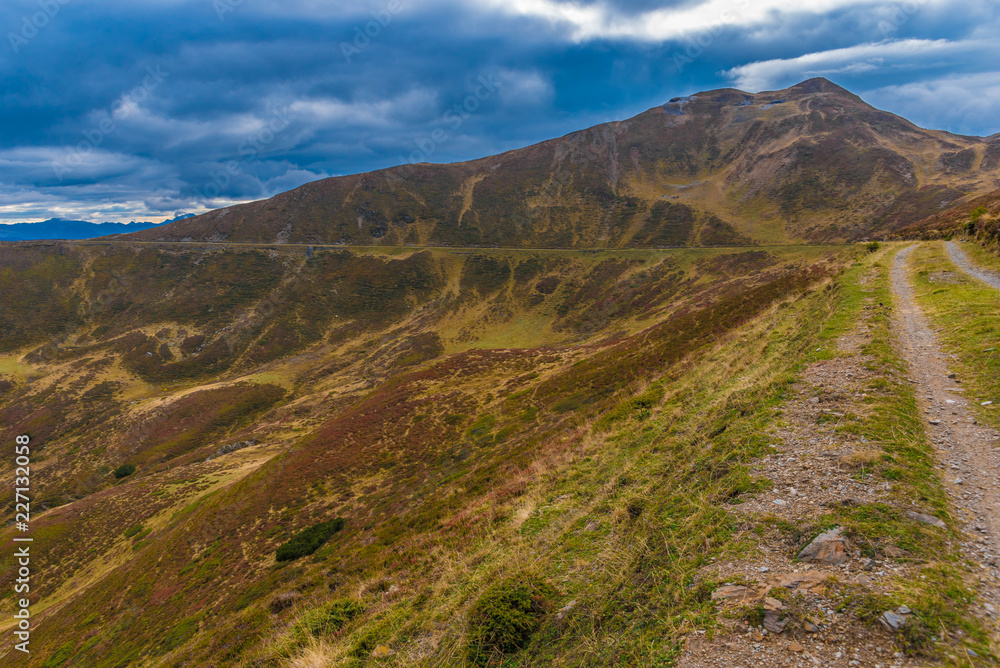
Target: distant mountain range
[57, 228]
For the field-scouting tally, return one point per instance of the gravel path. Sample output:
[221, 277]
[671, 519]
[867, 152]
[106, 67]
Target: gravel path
[968, 452]
[959, 257]
[810, 470]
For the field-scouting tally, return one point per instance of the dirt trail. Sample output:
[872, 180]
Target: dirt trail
[968, 453]
[812, 469]
[959, 257]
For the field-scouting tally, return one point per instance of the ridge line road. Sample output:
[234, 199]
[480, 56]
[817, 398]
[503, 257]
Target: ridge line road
[969, 453]
[962, 261]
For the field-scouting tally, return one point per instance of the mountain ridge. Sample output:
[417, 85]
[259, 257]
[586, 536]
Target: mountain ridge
[680, 457]
[812, 162]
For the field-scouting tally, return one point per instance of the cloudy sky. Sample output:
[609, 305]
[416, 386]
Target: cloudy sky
[117, 110]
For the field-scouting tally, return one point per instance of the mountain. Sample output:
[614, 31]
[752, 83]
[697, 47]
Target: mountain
[282, 456]
[810, 163]
[57, 228]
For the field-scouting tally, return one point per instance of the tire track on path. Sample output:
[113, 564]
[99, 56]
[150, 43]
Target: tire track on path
[969, 453]
[963, 262]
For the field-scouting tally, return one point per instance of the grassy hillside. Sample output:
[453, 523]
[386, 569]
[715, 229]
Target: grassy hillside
[555, 444]
[976, 219]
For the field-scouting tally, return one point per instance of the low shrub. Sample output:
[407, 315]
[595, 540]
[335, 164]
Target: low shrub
[284, 601]
[505, 618]
[331, 618]
[308, 540]
[124, 471]
[60, 656]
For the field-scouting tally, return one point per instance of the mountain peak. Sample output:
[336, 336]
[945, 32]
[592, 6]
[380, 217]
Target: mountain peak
[711, 168]
[819, 85]
[812, 87]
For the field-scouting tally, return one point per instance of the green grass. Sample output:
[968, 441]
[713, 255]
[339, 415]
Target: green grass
[966, 315]
[124, 471]
[507, 615]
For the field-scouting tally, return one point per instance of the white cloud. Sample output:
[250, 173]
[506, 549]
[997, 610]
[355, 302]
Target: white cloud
[520, 88]
[597, 21]
[773, 74]
[331, 111]
[957, 102]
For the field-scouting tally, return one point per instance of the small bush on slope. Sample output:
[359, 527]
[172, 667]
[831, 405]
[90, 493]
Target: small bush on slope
[506, 616]
[308, 540]
[124, 471]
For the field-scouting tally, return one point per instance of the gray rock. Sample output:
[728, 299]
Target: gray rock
[773, 622]
[892, 621]
[830, 548]
[925, 518]
[565, 610]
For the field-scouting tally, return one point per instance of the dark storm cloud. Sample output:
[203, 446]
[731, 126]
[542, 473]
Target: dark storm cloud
[118, 110]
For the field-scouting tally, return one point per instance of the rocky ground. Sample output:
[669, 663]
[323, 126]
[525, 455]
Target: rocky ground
[815, 466]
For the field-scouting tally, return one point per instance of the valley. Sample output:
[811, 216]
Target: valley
[618, 424]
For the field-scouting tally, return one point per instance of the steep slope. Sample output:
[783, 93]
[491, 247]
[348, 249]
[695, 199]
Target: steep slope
[414, 383]
[977, 218]
[812, 162]
[604, 424]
